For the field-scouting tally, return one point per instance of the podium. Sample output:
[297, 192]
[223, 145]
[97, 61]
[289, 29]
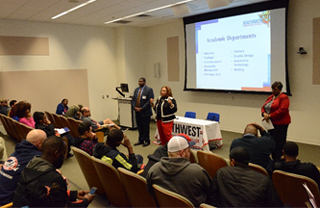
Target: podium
[126, 115]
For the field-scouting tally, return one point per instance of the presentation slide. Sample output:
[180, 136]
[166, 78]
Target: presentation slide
[238, 53]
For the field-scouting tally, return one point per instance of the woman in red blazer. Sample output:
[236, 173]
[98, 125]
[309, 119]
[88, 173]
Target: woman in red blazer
[276, 109]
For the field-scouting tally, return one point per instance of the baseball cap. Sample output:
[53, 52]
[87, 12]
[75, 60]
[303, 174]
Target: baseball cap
[180, 142]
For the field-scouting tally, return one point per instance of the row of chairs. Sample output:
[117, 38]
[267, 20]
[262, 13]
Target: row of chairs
[124, 188]
[15, 129]
[211, 116]
[288, 185]
[60, 122]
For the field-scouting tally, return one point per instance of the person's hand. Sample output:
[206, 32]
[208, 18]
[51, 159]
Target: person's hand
[47, 121]
[81, 194]
[266, 116]
[126, 142]
[94, 136]
[136, 109]
[151, 102]
[261, 129]
[89, 197]
[169, 101]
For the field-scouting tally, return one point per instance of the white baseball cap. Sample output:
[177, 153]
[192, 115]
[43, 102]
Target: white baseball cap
[178, 143]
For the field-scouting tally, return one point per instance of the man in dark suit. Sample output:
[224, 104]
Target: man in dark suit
[141, 105]
[259, 148]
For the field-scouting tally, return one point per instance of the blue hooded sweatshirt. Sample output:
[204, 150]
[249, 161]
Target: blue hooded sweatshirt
[12, 168]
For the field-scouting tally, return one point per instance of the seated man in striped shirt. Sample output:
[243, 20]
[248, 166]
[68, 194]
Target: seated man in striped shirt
[109, 153]
[87, 139]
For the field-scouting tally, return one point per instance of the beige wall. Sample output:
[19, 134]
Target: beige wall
[130, 56]
[133, 52]
[70, 47]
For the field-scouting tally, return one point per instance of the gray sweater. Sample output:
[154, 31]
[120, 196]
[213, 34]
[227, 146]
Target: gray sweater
[182, 177]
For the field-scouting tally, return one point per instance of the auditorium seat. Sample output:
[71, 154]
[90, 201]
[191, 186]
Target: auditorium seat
[291, 191]
[136, 189]
[88, 170]
[24, 129]
[211, 162]
[259, 169]
[57, 121]
[74, 127]
[166, 198]
[12, 126]
[111, 183]
[64, 122]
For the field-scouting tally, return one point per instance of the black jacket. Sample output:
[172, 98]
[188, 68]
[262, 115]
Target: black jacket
[45, 173]
[115, 158]
[297, 167]
[239, 186]
[164, 111]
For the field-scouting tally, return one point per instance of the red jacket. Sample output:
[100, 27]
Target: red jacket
[279, 111]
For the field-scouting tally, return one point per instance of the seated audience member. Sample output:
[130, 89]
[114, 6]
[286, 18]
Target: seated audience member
[159, 153]
[87, 139]
[62, 107]
[176, 173]
[109, 153]
[3, 151]
[24, 115]
[46, 196]
[15, 164]
[44, 171]
[86, 118]
[259, 148]
[239, 186]
[12, 103]
[74, 112]
[43, 123]
[289, 163]
[13, 112]
[4, 108]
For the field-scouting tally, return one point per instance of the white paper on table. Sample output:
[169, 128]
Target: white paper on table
[267, 125]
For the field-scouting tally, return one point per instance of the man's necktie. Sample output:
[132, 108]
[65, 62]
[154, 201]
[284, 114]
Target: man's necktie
[138, 99]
